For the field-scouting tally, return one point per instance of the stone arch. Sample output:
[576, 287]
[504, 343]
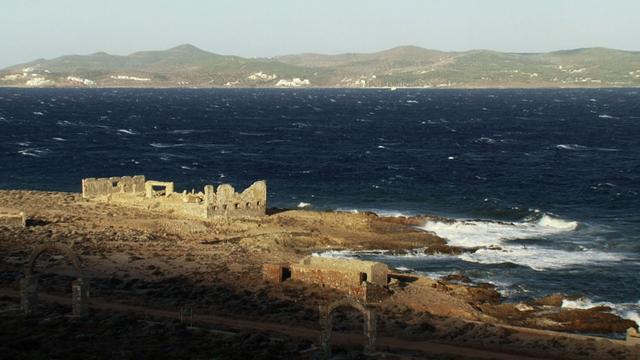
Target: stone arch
[29, 283]
[53, 247]
[326, 322]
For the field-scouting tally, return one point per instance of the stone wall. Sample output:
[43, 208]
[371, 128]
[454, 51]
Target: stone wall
[12, 218]
[92, 187]
[225, 201]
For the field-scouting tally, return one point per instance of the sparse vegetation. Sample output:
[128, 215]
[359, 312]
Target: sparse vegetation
[408, 66]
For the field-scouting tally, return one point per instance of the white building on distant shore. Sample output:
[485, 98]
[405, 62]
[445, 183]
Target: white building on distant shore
[295, 82]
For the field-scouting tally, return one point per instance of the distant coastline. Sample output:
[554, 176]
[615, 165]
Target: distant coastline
[408, 67]
[541, 87]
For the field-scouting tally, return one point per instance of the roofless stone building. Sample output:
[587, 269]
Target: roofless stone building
[360, 279]
[161, 196]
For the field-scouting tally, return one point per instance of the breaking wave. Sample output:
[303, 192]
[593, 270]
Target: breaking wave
[629, 311]
[492, 237]
[479, 233]
[540, 259]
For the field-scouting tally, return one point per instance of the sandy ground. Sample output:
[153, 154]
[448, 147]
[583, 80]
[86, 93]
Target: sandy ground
[164, 262]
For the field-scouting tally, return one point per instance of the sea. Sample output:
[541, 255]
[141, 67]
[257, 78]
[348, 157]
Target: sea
[546, 182]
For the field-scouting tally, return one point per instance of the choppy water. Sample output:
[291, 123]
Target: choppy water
[551, 177]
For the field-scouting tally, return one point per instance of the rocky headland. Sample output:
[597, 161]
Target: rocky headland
[146, 268]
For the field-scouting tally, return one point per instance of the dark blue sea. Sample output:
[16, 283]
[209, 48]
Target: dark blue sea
[548, 181]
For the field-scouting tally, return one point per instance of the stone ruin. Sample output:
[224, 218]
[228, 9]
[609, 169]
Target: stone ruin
[161, 196]
[366, 280]
[29, 283]
[326, 323]
[12, 218]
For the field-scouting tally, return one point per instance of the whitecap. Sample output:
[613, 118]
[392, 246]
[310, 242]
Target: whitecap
[250, 133]
[34, 152]
[161, 145]
[576, 147]
[485, 140]
[58, 139]
[605, 116]
[571, 147]
[38, 113]
[128, 132]
[303, 205]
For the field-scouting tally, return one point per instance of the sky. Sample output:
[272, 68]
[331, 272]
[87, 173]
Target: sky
[31, 29]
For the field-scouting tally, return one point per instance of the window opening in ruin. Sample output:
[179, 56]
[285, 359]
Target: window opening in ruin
[159, 189]
[248, 205]
[114, 184]
[237, 206]
[286, 273]
[224, 207]
[363, 277]
[258, 203]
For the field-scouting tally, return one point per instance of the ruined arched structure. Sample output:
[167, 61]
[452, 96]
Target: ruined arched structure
[29, 283]
[326, 322]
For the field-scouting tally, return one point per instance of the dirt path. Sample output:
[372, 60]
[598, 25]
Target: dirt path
[288, 330]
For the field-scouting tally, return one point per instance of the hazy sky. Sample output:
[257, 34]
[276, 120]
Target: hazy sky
[31, 29]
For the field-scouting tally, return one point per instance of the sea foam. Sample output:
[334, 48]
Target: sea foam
[629, 311]
[540, 259]
[479, 233]
[492, 237]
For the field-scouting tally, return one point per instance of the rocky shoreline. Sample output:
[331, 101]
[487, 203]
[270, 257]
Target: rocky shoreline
[140, 258]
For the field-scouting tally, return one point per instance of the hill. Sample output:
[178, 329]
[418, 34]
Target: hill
[404, 66]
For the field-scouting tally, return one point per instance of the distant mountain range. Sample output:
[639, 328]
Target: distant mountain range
[405, 66]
